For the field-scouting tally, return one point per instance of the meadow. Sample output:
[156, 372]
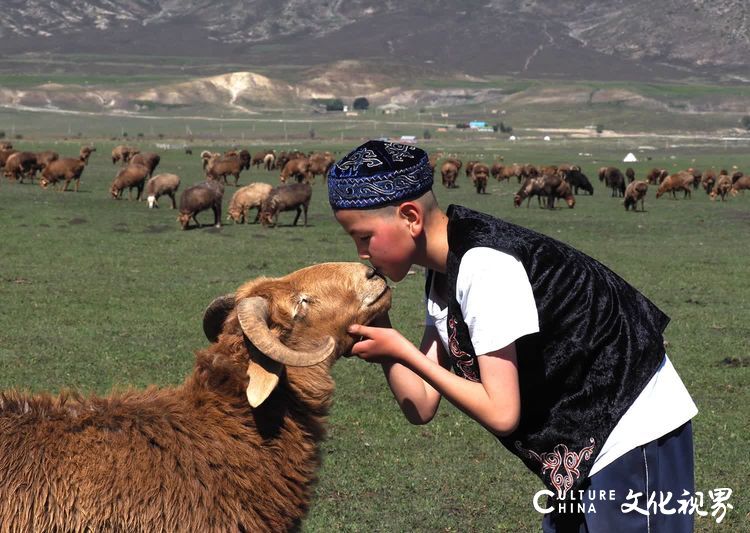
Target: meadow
[98, 293]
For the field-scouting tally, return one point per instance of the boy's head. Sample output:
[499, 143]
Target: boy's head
[381, 193]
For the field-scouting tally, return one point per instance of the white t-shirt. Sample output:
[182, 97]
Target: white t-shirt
[498, 306]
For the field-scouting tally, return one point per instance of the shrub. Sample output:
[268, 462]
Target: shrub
[361, 104]
[745, 121]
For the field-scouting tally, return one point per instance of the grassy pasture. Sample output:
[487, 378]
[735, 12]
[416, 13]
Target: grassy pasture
[97, 293]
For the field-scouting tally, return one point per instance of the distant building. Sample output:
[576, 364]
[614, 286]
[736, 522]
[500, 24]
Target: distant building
[408, 139]
[477, 124]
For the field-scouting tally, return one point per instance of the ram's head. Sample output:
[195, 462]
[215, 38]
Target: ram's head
[298, 320]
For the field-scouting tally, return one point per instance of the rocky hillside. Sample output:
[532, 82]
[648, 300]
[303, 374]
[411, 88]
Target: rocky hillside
[607, 39]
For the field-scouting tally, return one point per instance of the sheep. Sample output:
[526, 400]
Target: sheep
[298, 168]
[162, 185]
[19, 165]
[131, 175]
[204, 195]
[320, 163]
[269, 161]
[479, 175]
[5, 153]
[285, 198]
[67, 169]
[682, 181]
[529, 188]
[469, 168]
[235, 447]
[741, 184]
[123, 153]
[85, 152]
[576, 178]
[635, 191]
[708, 180]
[560, 190]
[246, 198]
[722, 187]
[149, 160]
[613, 178]
[449, 173]
[630, 174]
[656, 175]
[218, 168]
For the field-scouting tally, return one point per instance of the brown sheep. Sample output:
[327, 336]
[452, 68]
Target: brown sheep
[286, 198]
[269, 161]
[530, 187]
[576, 178]
[5, 154]
[19, 165]
[297, 168]
[614, 179]
[656, 175]
[5, 145]
[204, 195]
[130, 176]
[66, 169]
[630, 174]
[218, 168]
[722, 187]
[150, 160]
[85, 152]
[740, 184]
[682, 181]
[235, 447]
[449, 173]
[561, 190]
[320, 163]
[162, 185]
[479, 175]
[246, 198]
[432, 160]
[455, 161]
[123, 153]
[634, 192]
[708, 180]
[696, 177]
[469, 168]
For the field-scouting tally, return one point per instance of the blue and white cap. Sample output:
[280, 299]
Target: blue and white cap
[377, 174]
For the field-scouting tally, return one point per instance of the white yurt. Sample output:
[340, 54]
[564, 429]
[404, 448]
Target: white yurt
[630, 158]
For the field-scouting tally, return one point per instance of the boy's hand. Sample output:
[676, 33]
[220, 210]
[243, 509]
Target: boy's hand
[378, 344]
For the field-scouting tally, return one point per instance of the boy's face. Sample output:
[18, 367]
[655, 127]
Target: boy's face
[382, 237]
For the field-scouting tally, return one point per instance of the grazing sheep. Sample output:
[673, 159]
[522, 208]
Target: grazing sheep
[246, 198]
[297, 168]
[613, 178]
[449, 173]
[5, 153]
[19, 165]
[479, 175]
[530, 187]
[576, 178]
[218, 168]
[630, 174]
[722, 187]
[85, 152]
[149, 160]
[320, 163]
[66, 169]
[469, 168]
[130, 176]
[285, 198]
[708, 180]
[162, 185]
[656, 176]
[269, 161]
[635, 191]
[235, 447]
[123, 153]
[559, 190]
[204, 195]
[682, 181]
[741, 184]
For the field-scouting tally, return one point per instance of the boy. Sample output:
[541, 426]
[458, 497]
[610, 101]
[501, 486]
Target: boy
[550, 350]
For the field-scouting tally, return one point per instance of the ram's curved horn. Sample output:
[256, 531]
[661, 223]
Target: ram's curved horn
[253, 315]
[215, 314]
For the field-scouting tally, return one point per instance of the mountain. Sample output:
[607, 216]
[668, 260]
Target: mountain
[567, 39]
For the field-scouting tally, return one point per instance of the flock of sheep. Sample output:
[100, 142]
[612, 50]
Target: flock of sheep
[552, 182]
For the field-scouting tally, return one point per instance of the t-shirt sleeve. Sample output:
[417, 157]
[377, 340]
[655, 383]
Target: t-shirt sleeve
[496, 299]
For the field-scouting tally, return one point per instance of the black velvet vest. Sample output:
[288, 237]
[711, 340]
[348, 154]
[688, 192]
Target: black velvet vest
[599, 343]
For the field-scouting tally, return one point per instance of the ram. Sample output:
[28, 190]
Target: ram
[235, 447]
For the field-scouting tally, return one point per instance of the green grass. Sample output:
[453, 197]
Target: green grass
[97, 293]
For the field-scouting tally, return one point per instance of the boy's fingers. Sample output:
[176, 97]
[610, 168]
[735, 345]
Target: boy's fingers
[358, 329]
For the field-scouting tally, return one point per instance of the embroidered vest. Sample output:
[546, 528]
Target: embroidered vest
[598, 345]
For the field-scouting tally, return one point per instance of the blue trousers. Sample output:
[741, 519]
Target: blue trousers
[662, 466]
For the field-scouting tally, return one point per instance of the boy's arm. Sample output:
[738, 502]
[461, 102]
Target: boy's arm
[495, 402]
[418, 400]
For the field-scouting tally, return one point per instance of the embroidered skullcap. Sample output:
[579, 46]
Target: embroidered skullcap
[379, 173]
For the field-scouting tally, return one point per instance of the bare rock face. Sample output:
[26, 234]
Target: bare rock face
[633, 38]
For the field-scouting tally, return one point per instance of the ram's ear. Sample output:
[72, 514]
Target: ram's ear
[215, 315]
[264, 376]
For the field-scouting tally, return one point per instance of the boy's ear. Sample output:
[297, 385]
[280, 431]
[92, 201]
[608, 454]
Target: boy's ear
[413, 214]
